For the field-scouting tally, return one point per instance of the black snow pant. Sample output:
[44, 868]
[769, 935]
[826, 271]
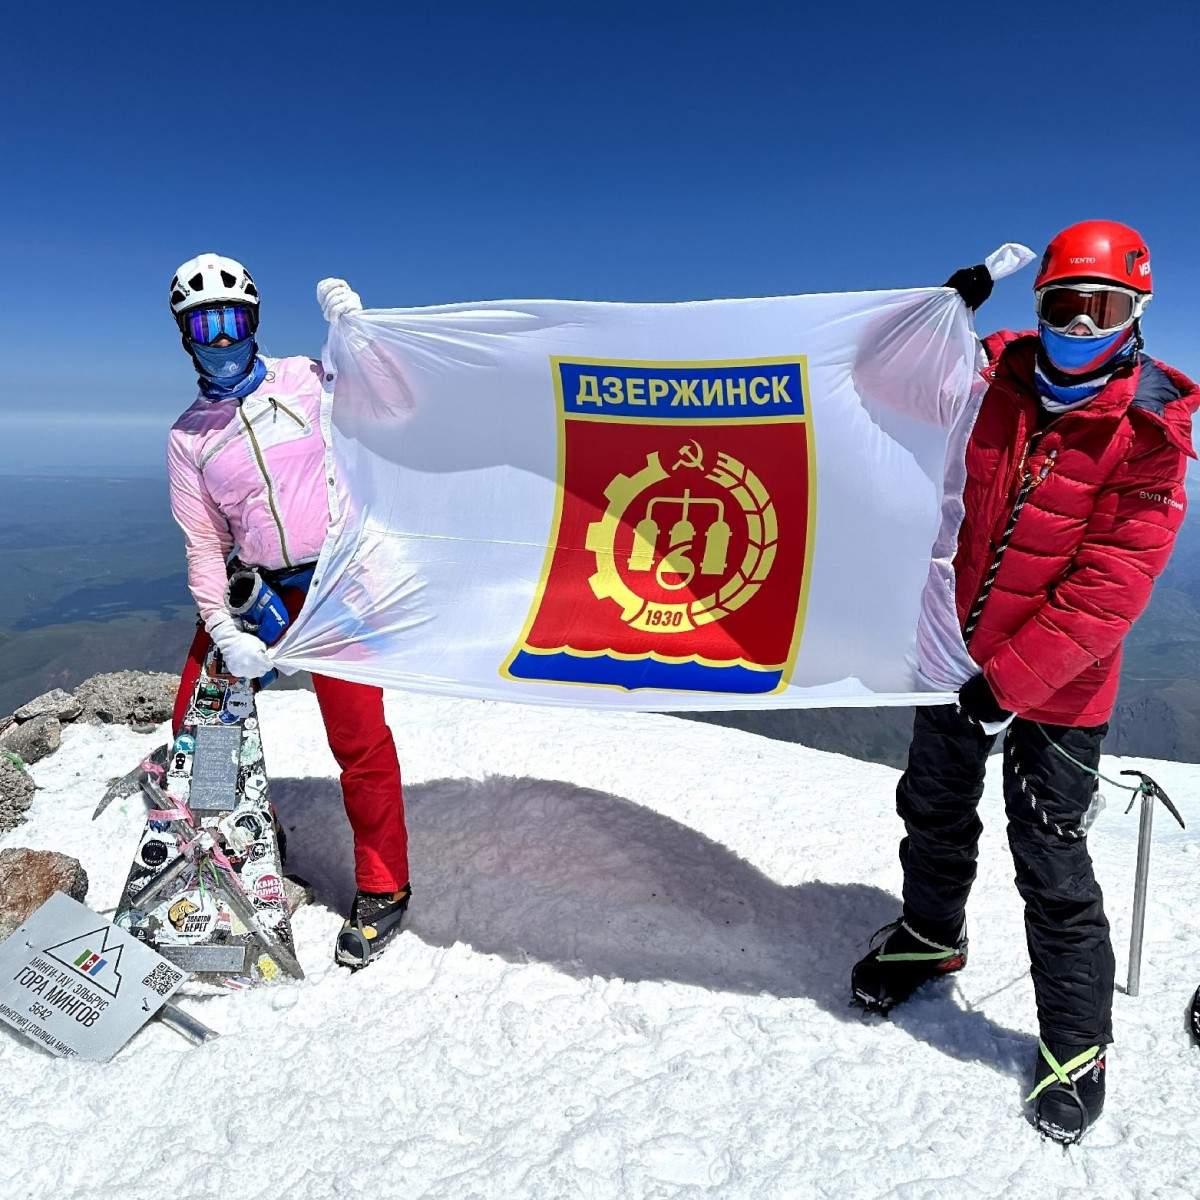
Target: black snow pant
[1045, 799]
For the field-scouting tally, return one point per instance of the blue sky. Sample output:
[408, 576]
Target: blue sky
[631, 151]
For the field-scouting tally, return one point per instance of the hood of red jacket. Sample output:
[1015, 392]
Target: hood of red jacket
[1149, 388]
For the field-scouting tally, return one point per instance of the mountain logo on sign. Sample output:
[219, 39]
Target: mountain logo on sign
[91, 956]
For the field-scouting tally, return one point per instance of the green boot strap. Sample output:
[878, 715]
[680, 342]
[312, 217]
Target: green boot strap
[935, 955]
[1061, 1072]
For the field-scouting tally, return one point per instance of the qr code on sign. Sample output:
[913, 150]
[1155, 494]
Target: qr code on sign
[162, 979]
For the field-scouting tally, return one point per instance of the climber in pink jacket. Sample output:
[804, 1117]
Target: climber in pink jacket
[248, 470]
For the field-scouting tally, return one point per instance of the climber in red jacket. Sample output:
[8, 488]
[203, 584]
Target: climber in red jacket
[1073, 494]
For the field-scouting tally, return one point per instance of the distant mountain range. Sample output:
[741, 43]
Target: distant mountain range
[94, 580]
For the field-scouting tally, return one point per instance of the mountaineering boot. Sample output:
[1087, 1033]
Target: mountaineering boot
[374, 920]
[1070, 1093]
[899, 961]
[1194, 1016]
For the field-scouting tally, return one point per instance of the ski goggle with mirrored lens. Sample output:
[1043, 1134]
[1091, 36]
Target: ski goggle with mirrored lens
[205, 325]
[1101, 309]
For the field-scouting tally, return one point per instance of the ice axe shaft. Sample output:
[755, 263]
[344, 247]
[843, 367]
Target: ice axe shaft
[244, 911]
[196, 1032]
[160, 882]
[1150, 791]
[1141, 883]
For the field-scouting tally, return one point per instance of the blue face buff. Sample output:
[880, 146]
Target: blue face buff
[1079, 355]
[211, 390]
[224, 364]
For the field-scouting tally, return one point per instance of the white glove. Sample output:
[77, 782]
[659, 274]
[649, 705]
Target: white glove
[244, 655]
[1008, 259]
[337, 299]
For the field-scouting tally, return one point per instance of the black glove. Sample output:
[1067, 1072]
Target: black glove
[977, 702]
[973, 284]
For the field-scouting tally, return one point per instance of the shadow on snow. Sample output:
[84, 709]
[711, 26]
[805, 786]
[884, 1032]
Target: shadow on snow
[593, 884]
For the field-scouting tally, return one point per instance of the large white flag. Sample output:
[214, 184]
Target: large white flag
[728, 504]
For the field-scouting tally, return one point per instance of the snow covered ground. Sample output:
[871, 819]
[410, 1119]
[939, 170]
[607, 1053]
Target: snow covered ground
[625, 975]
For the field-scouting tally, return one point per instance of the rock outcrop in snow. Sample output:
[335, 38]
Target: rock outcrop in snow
[127, 698]
[28, 878]
[16, 791]
[141, 699]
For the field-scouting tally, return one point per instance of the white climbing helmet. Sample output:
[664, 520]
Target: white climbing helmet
[210, 279]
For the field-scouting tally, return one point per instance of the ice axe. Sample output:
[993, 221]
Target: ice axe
[1149, 791]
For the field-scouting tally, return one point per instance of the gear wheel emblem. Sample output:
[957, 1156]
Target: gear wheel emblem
[649, 567]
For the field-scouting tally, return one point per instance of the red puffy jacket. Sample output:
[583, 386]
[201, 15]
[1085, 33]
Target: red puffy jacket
[1096, 530]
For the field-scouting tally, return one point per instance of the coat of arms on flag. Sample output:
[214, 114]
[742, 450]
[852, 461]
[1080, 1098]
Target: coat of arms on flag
[684, 528]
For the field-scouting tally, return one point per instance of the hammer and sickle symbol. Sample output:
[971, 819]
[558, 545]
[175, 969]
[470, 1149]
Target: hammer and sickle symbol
[690, 455]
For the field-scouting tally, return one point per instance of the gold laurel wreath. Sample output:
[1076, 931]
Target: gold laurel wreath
[762, 535]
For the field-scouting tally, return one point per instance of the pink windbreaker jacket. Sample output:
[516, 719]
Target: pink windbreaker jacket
[250, 473]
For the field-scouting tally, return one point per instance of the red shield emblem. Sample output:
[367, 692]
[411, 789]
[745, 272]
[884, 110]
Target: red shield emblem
[684, 528]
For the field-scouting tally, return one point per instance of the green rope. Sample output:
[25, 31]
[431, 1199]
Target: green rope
[207, 862]
[1147, 788]
[1139, 789]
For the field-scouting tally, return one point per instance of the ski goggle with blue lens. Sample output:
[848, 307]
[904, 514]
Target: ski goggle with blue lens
[1098, 308]
[205, 325]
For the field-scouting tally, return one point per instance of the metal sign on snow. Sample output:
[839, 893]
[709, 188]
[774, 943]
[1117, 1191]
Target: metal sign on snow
[77, 984]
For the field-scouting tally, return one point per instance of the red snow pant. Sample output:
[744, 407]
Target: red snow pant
[363, 747]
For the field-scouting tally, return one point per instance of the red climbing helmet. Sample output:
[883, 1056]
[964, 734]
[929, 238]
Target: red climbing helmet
[1098, 252]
